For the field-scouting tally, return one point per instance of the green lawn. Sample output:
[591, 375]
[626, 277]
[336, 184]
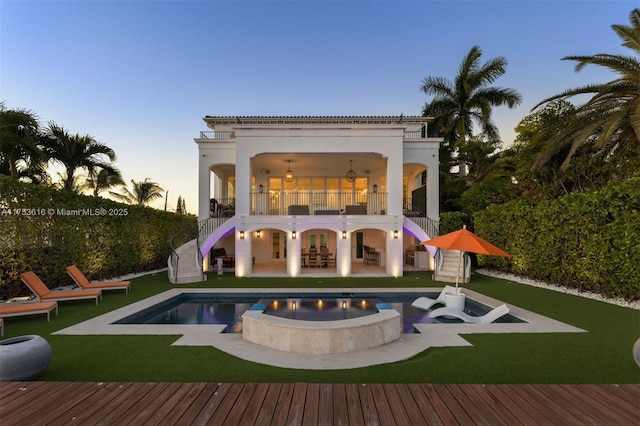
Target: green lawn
[603, 355]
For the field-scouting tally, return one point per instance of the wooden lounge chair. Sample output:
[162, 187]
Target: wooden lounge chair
[84, 283]
[31, 308]
[39, 288]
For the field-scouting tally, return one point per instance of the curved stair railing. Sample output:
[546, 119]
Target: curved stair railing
[183, 236]
[206, 228]
[430, 226]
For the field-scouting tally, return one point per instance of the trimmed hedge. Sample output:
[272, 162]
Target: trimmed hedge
[453, 221]
[589, 241]
[45, 230]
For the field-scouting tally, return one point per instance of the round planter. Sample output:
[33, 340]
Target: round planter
[455, 301]
[23, 358]
[636, 352]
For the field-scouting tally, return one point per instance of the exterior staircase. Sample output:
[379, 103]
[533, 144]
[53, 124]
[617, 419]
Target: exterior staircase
[185, 266]
[447, 262]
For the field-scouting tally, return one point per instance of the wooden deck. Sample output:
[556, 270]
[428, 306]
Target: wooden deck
[79, 403]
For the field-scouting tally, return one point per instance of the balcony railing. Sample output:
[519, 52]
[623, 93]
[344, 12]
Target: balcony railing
[425, 132]
[318, 203]
[217, 134]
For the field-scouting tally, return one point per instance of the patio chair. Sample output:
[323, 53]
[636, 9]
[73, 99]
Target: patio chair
[31, 308]
[426, 302]
[39, 288]
[82, 281]
[487, 318]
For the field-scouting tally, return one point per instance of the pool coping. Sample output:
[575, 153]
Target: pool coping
[405, 347]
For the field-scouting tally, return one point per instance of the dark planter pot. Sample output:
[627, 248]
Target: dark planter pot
[23, 358]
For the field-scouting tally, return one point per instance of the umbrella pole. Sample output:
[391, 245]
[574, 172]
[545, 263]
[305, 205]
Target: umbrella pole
[458, 273]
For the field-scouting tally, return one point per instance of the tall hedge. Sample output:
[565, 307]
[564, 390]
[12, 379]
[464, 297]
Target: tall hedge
[588, 241]
[44, 230]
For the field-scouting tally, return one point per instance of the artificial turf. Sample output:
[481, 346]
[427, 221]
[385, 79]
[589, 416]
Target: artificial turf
[602, 355]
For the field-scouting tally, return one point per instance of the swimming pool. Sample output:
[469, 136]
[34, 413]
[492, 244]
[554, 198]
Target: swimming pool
[227, 308]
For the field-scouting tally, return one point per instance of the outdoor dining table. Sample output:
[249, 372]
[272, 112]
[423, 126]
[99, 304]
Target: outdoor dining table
[325, 259]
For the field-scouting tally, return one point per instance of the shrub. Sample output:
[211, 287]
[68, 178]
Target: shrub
[452, 221]
[589, 241]
[45, 230]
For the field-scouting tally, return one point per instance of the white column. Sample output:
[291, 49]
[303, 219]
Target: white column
[343, 254]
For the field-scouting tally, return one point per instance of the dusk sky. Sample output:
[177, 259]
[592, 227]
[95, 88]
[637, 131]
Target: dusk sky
[140, 75]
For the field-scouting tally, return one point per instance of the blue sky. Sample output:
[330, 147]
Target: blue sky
[140, 75]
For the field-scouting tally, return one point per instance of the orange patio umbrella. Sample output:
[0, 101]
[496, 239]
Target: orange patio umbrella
[465, 241]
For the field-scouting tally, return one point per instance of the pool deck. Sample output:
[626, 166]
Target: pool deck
[107, 403]
[405, 347]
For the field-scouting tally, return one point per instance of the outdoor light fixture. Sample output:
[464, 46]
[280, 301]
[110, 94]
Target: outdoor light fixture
[375, 188]
[344, 235]
[351, 175]
[260, 188]
[293, 235]
[242, 235]
[288, 176]
[395, 234]
[258, 233]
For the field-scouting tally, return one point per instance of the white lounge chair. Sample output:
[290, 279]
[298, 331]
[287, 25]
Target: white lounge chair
[426, 302]
[487, 318]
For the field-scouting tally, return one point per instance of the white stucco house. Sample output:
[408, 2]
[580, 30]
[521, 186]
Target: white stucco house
[333, 195]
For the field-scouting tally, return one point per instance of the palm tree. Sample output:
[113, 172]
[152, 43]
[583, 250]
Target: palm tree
[610, 121]
[103, 180]
[20, 155]
[75, 152]
[142, 192]
[469, 98]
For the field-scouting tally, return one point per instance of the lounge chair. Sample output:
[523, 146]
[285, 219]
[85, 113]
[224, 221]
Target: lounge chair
[487, 318]
[426, 302]
[39, 288]
[31, 308]
[82, 281]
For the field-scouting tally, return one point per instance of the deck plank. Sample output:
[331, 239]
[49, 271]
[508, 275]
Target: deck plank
[268, 408]
[311, 405]
[354, 405]
[296, 408]
[340, 415]
[325, 405]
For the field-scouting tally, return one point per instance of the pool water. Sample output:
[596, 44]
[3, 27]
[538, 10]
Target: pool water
[320, 309]
[227, 309]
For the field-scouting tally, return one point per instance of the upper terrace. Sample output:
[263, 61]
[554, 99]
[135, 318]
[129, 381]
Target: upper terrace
[416, 127]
